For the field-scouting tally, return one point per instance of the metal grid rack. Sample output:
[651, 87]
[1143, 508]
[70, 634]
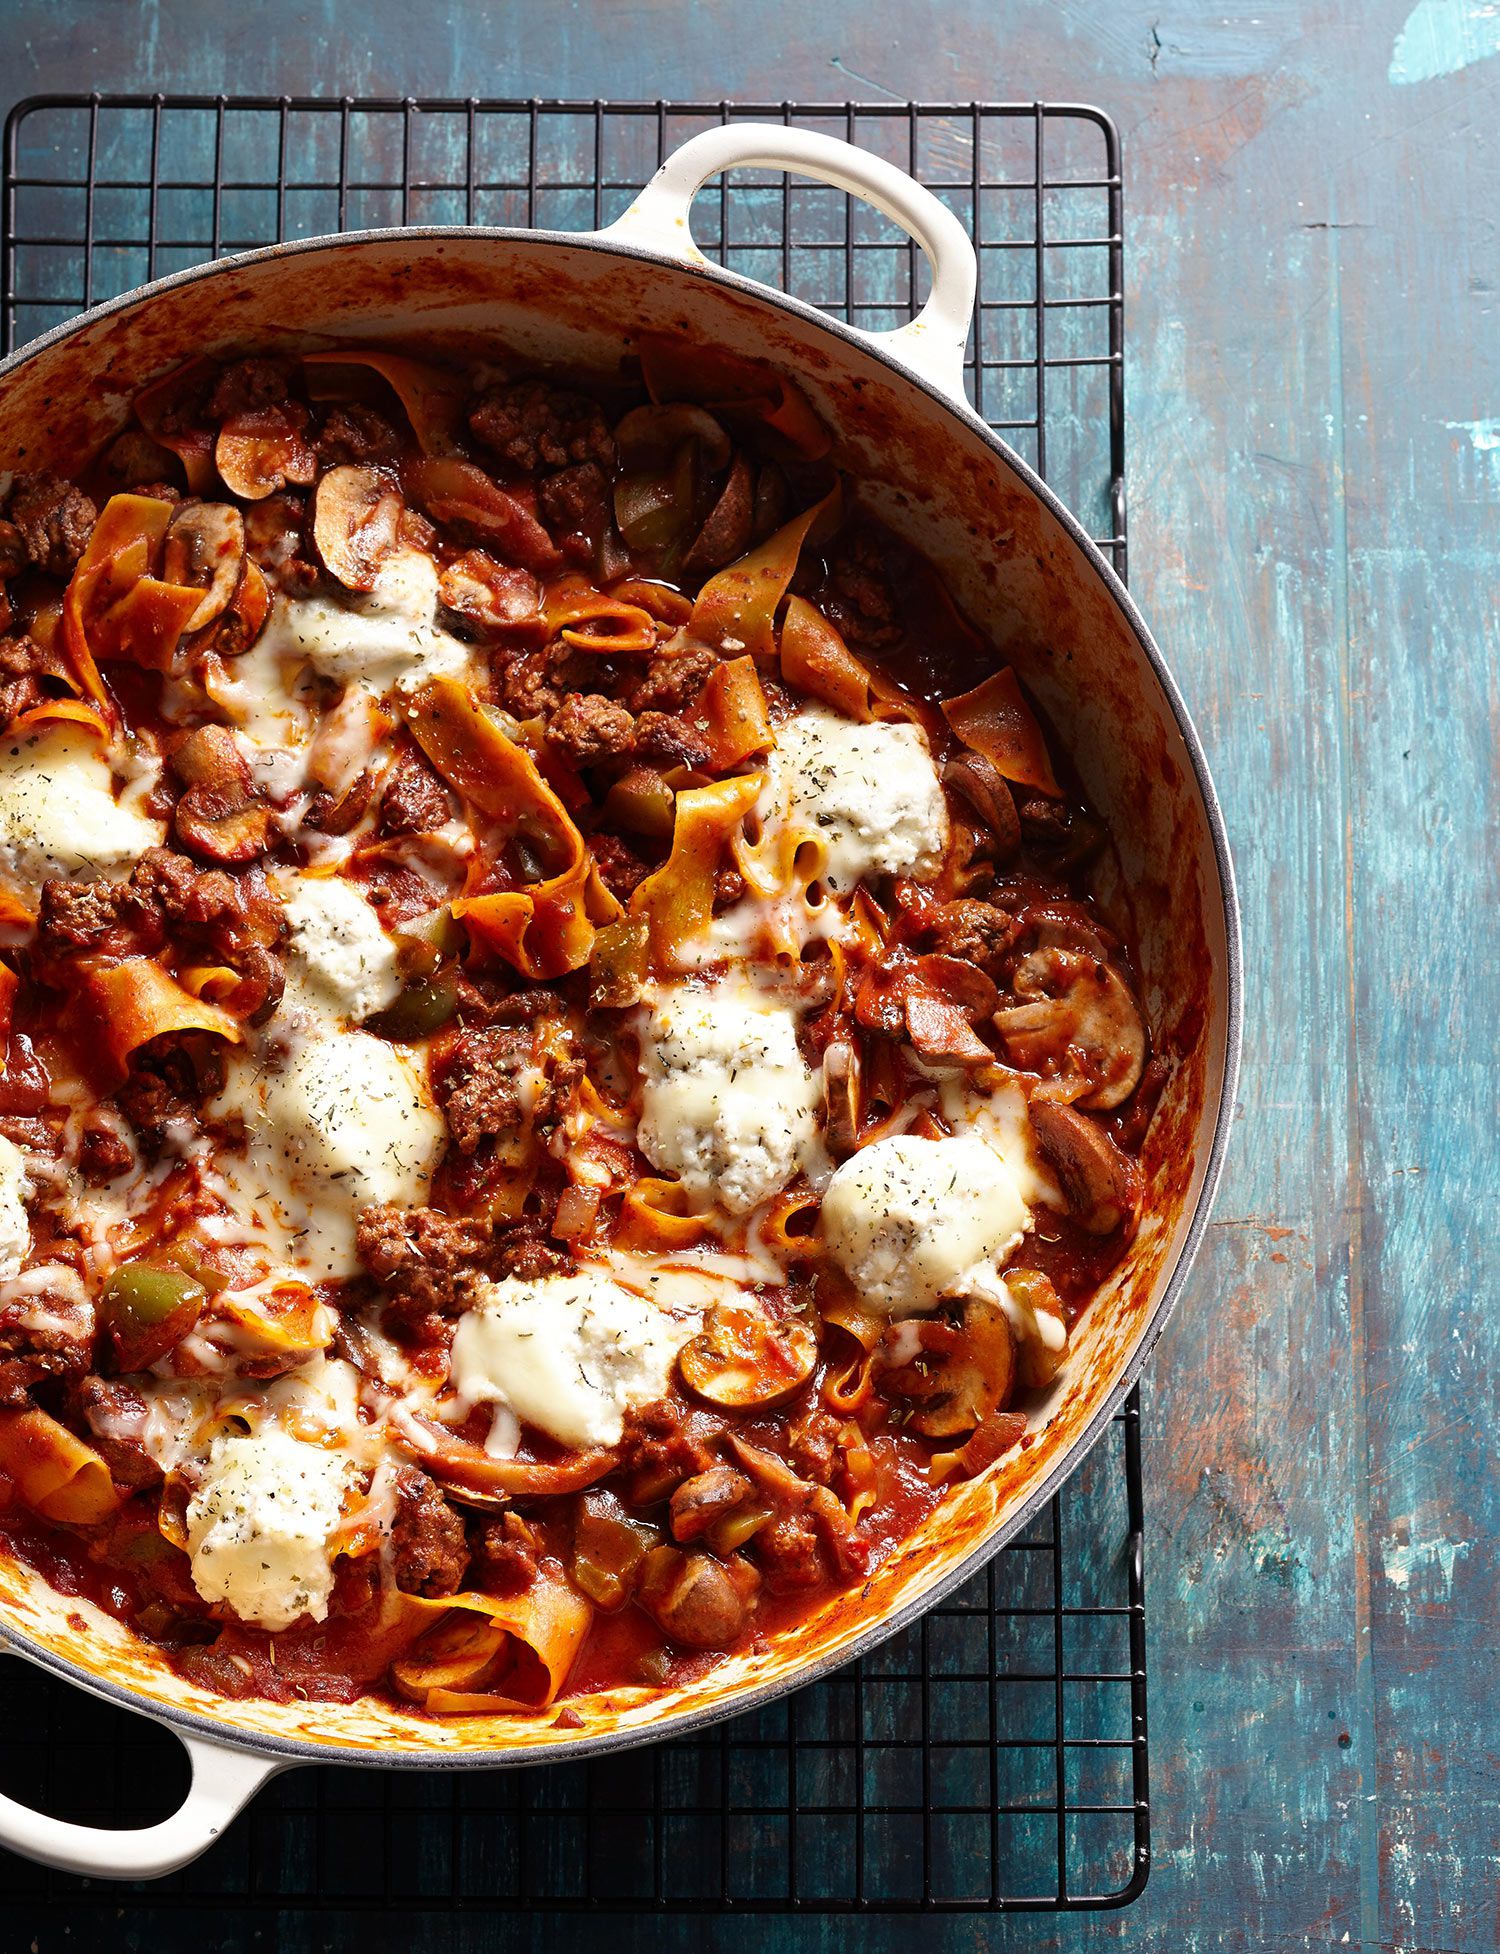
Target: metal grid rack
[994, 1756]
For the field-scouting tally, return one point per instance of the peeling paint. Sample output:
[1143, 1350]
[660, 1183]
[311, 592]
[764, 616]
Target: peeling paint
[1441, 37]
[1402, 1559]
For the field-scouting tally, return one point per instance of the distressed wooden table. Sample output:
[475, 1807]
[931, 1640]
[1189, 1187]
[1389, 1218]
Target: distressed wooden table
[1315, 492]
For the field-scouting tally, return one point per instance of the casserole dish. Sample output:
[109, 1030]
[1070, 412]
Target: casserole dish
[930, 471]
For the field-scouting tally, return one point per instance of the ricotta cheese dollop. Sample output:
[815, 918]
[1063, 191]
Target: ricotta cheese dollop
[568, 1354]
[345, 1121]
[387, 638]
[911, 1221]
[728, 1099]
[15, 1223]
[258, 1527]
[339, 946]
[869, 793]
[58, 811]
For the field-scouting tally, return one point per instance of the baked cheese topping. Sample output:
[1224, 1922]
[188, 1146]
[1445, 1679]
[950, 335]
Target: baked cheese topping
[387, 638]
[59, 814]
[347, 1120]
[869, 795]
[728, 1098]
[259, 1526]
[15, 1223]
[569, 1354]
[339, 946]
[911, 1221]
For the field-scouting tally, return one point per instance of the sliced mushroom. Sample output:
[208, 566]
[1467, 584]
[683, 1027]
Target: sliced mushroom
[841, 1112]
[1077, 1014]
[986, 790]
[495, 595]
[218, 817]
[356, 514]
[964, 1372]
[697, 1600]
[963, 983]
[745, 1359]
[725, 535]
[702, 1501]
[775, 1478]
[259, 452]
[454, 491]
[205, 545]
[1102, 1185]
[941, 1033]
[250, 606]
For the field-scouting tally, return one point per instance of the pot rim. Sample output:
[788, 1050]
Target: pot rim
[757, 1696]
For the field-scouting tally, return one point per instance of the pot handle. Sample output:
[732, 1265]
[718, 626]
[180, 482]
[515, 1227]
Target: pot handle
[932, 346]
[224, 1781]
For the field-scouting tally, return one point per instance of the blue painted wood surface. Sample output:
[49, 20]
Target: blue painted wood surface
[1314, 399]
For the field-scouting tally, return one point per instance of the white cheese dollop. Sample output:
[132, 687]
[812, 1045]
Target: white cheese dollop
[568, 1354]
[338, 946]
[387, 638]
[869, 793]
[728, 1099]
[58, 811]
[910, 1221]
[258, 1527]
[15, 1224]
[347, 1120]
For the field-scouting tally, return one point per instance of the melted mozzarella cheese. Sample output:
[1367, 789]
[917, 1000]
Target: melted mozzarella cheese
[910, 1221]
[259, 1526]
[387, 637]
[15, 1223]
[339, 947]
[728, 1099]
[58, 810]
[345, 1121]
[568, 1354]
[869, 795]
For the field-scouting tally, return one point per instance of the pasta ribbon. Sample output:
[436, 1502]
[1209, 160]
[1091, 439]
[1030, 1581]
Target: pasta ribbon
[815, 658]
[588, 619]
[656, 1214]
[285, 1321]
[431, 397]
[159, 409]
[55, 1473]
[734, 705]
[113, 606]
[117, 1007]
[676, 369]
[549, 927]
[481, 1655]
[995, 721]
[678, 900]
[736, 610]
[440, 1451]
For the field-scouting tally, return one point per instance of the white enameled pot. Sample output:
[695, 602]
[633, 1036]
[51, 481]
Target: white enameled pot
[1015, 560]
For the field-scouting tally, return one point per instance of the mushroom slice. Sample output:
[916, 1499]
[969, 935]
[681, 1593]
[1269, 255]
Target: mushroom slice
[249, 607]
[355, 516]
[1078, 1014]
[1102, 1185]
[840, 1098]
[965, 1371]
[940, 1032]
[986, 790]
[697, 1600]
[701, 1502]
[725, 535]
[205, 545]
[495, 595]
[259, 452]
[455, 491]
[744, 1359]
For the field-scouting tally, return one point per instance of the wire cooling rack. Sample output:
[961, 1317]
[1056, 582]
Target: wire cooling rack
[994, 1756]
